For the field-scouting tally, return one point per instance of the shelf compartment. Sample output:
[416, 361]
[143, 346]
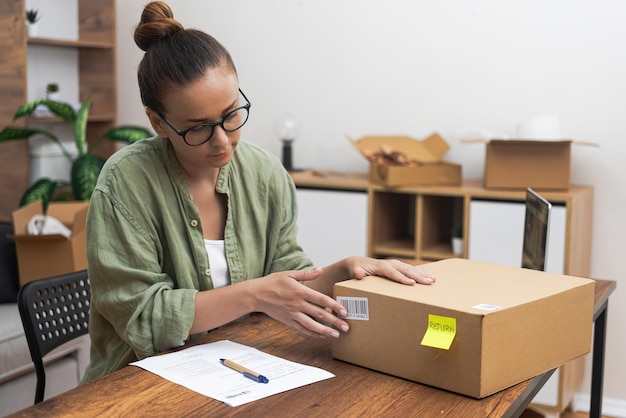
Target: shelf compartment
[392, 224]
[438, 252]
[438, 216]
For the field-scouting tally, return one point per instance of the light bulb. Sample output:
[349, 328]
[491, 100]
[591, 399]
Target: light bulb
[287, 127]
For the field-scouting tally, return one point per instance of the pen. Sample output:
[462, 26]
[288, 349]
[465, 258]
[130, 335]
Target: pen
[246, 372]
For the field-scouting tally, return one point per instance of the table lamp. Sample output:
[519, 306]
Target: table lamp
[287, 130]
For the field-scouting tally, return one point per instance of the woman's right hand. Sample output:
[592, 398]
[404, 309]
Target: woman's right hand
[283, 297]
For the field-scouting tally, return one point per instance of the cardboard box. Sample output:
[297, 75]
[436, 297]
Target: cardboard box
[40, 256]
[426, 167]
[518, 164]
[505, 325]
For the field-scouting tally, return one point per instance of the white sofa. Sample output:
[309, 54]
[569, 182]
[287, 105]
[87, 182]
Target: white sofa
[64, 366]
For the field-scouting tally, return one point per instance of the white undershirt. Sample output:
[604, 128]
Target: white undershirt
[217, 259]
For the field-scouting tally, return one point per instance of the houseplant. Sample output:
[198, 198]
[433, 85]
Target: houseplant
[52, 91]
[32, 17]
[456, 235]
[86, 166]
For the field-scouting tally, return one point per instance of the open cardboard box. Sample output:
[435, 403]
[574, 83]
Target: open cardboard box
[522, 163]
[41, 256]
[502, 325]
[427, 153]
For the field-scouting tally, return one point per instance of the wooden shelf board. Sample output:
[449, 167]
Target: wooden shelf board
[399, 248]
[70, 43]
[53, 119]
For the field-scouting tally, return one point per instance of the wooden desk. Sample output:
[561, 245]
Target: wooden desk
[355, 391]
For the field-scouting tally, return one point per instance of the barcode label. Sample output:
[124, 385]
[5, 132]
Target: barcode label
[357, 307]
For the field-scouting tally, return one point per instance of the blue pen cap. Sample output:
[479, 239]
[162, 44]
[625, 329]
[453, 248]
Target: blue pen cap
[260, 378]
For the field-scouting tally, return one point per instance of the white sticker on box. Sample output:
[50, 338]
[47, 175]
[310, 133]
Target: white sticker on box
[358, 308]
[486, 307]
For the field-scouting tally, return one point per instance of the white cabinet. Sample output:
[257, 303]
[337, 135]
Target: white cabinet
[332, 224]
[496, 232]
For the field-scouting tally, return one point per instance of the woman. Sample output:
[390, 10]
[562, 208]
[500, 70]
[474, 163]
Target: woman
[179, 224]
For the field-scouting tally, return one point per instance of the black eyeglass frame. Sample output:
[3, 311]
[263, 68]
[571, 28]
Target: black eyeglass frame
[211, 124]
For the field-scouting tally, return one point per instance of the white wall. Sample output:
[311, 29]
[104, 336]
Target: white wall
[413, 67]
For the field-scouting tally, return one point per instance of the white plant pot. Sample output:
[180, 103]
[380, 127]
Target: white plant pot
[457, 246]
[33, 29]
[52, 96]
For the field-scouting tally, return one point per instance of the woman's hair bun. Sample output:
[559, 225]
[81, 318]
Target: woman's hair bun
[157, 22]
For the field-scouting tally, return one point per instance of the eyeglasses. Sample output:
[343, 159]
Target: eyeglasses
[201, 133]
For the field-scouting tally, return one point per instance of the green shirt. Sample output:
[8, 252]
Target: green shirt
[145, 246]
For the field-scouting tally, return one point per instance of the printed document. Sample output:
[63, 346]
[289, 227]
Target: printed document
[199, 368]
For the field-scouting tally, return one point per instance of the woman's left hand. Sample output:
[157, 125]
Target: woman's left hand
[357, 267]
[396, 270]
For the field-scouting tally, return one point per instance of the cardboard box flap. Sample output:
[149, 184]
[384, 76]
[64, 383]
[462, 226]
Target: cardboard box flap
[71, 214]
[68, 212]
[80, 220]
[429, 150]
[22, 216]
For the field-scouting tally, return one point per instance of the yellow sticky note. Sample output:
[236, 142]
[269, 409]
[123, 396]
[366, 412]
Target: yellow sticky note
[440, 332]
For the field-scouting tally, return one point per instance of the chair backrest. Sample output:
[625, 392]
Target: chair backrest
[54, 311]
[536, 227]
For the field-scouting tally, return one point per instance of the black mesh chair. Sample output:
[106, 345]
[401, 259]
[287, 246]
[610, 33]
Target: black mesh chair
[54, 311]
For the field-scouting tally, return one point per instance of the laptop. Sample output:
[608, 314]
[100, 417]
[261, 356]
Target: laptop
[536, 225]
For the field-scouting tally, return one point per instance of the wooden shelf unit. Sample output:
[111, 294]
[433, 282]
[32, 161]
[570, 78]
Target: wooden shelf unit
[96, 45]
[416, 222]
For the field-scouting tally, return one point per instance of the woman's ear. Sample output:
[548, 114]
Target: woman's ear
[157, 123]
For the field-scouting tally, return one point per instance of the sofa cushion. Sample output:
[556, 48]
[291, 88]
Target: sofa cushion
[14, 354]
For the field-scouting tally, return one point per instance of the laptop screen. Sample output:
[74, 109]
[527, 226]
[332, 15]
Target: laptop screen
[535, 231]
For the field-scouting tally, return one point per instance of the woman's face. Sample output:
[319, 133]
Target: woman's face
[205, 101]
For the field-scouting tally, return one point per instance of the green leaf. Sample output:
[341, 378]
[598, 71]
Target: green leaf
[85, 171]
[27, 109]
[9, 133]
[63, 110]
[128, 133]
[80, 126]
[42, 189]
